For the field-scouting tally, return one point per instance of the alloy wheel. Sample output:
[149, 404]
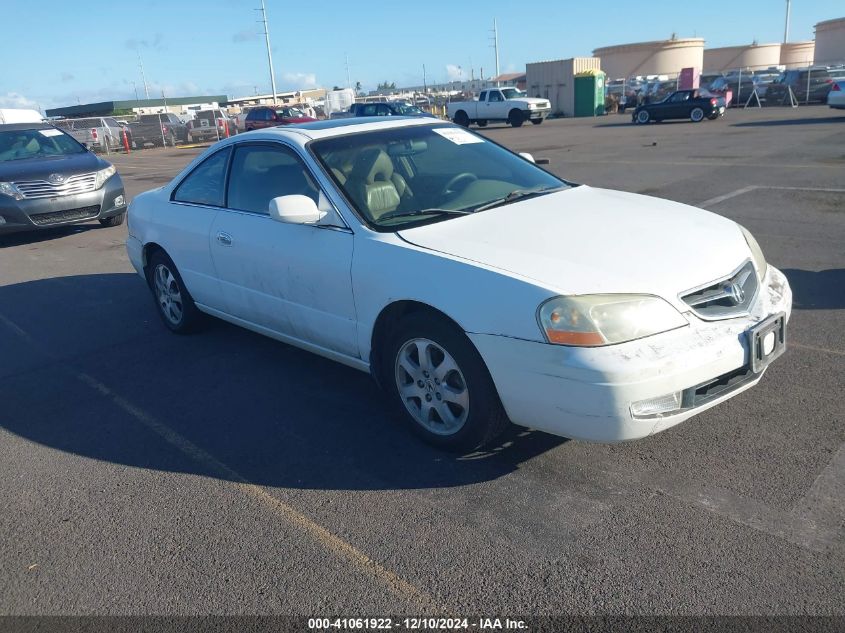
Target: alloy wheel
[432, 386]
[168, 294]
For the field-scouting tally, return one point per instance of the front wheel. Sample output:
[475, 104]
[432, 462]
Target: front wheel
[441, 385]
[696, 115]
[175, 305]
[536, 121]
[643, 117]
[516, 118]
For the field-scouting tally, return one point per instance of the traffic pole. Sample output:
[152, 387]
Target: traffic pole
[125, 141]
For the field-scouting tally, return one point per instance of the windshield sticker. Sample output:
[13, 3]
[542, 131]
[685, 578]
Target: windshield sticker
[458, 137]
[50, 132]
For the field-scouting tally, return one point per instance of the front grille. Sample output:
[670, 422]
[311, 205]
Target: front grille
[726, 298]
[80, 183]
[68, 215]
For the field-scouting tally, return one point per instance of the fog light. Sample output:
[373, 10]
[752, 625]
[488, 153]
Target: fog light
[653, 406]
[119, 201]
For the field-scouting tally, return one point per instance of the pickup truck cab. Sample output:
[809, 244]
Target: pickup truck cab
[499, 104]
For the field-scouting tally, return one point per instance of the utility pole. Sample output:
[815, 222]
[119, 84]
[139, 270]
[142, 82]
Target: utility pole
[348, 79]
[263, 10]
[160, 124]
[425, 88]
[786, 26]
[496, 47]
[143, 76]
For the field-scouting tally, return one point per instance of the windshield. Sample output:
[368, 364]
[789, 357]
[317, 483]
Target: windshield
[405, 108]
[290, 113]
[22, 144]
[424, 173]
[512, 93]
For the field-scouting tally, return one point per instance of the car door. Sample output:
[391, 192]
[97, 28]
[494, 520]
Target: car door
[496, 105]
[185, 227]
[293, 279]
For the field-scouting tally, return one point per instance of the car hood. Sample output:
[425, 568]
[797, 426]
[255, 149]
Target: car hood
[41, 167]
[584, 240]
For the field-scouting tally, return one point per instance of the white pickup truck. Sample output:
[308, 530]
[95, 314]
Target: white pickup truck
[499, 104]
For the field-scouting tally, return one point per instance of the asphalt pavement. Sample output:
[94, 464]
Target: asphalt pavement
[147, 473]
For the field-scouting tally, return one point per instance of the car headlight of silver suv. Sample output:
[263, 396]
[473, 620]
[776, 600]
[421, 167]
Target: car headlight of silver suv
[756, 252]
[605, 319]
[103, 175]
[9, 189]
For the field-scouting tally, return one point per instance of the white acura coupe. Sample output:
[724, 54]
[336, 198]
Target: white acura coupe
[476, 287]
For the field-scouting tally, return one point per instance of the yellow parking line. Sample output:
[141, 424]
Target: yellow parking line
[324, 537]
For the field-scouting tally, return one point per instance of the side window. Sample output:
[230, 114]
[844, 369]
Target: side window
[206, 184]
[368, 110]
[267, 115]
[383, 110]
[483, 96]
[495, 95]
[262, 172]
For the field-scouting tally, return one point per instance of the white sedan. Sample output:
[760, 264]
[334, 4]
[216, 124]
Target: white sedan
[836, 96]
[477, 288]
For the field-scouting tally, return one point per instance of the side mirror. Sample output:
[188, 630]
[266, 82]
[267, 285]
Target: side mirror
[295, 209]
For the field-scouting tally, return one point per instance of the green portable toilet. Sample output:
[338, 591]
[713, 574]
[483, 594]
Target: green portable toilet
[589, 93]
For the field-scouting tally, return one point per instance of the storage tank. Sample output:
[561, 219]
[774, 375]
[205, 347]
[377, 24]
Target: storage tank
[751, 57]
[830, 42]
[663, 57]
[797, 54]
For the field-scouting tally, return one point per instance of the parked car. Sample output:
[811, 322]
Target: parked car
[98, 133]
[262, 117]
[472, 284]
[807, 85]
[836, 96]
[160, 129]
[499, 104]
[47, 178]
[382, 108]
[681, 104]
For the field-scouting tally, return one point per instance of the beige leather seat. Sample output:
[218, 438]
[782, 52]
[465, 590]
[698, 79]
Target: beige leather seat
[371, 183]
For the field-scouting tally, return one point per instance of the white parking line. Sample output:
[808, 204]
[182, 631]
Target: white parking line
[822, 510]
[750, 188]
[728, 196]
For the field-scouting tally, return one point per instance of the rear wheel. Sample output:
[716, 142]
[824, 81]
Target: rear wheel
[461, 118]
[175, 305]
[696, 115]
[441, 386]
[643, 117]
[516, 118]
[481, 123]
[115, 220]
[536, 121]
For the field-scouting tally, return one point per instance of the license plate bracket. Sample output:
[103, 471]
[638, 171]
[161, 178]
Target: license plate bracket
[767, 341]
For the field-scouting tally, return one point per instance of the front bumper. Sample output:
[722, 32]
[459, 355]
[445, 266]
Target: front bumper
[586, 393]
[538, 113]
[44, 213]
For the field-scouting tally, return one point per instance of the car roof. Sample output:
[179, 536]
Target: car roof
[11, 127]
[336, 127]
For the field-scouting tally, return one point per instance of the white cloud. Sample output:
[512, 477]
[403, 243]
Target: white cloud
[17, 100]
[454, 72]
[300, 80]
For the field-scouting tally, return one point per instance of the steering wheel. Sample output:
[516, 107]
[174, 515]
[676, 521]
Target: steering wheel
[449, 188]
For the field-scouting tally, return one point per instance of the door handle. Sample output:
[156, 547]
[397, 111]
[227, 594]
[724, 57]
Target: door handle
[224, 238]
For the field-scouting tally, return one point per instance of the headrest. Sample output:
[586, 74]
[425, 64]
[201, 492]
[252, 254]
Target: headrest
[372, 165]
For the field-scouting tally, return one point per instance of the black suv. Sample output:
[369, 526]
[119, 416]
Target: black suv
[808, 86]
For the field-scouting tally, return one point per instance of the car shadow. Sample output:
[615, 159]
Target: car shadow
[789, 122]
[822, 290]
[90, 370]
[45, 235]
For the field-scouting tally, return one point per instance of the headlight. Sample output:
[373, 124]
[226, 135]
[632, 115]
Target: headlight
[756, 252]
[591, 320]
[103, 175]
[9, 189]
[531, 106]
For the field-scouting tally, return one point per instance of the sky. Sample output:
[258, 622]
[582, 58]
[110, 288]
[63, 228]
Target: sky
[81, 52]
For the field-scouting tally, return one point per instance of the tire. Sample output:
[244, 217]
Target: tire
[472, 412]
[642, 117]
[516, 118]
[171, 140]
[115, 220]
[696, 115]
[180, 316]
[481, 123]
[461, 118]
[536, 121]
[713, 116]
